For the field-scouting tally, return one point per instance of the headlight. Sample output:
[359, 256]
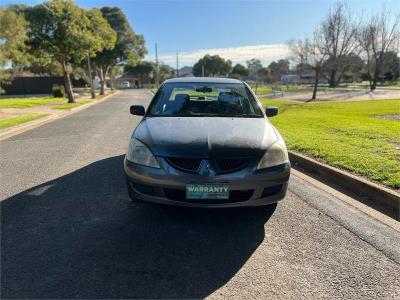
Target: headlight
[138, 153]
[275, 155]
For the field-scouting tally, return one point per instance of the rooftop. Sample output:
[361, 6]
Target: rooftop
[203, 79]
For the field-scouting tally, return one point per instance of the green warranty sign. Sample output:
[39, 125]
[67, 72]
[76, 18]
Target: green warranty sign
[207, 191]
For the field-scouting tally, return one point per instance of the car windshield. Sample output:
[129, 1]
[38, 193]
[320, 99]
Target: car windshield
[205, 99]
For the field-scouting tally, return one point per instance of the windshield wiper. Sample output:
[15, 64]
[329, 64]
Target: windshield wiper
[249, 116]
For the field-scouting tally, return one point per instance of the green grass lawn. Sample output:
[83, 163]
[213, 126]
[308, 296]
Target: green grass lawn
[19, 120]
[365, 85]
[286, 88]
[71, 105]
[28, 102]
[262, 89]
[389, 87]
[354, 136]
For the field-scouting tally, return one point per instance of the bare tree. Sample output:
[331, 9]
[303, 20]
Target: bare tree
[364, 40]
[254, 66]
[379, 35]
[311, 53]
[337, 37]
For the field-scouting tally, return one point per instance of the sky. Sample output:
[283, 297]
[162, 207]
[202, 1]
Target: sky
[236, 30]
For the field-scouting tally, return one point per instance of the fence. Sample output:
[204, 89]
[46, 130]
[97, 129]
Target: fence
[31, 85]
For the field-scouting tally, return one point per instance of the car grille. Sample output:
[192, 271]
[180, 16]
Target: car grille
[231, 164]
[234, 196]
[184, 164]
[225, 165]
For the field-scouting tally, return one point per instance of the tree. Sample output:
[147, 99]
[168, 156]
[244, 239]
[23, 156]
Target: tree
[143, 71]
[354, 67]
[377, 37]
[43, 64]
[114, 72]
[254, 66]
[212, 65]
[309, 53]
[338, 40]
[165, 72]
[63, 32]
[302, 68]
[129, 47]
[265, 74]
[391, 66]
[13, 29]
[240, 70]
[104, 38]
[279, 68]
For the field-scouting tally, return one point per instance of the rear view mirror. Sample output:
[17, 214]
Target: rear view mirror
[204, 89]
[271, 111]
[137, 110]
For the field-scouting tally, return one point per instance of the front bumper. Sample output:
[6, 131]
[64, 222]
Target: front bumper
[167, 185]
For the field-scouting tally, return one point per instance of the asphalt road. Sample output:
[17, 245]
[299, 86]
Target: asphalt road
[68, 229]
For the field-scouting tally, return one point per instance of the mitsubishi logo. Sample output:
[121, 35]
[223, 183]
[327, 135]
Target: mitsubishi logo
[205, 168]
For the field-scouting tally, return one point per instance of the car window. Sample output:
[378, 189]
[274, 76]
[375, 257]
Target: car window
[205, 99]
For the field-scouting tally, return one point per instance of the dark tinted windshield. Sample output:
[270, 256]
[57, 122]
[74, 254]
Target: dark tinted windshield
[205, 99]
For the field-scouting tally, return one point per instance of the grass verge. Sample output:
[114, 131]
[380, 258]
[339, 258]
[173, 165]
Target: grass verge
[71, 105]
[19, 120]
[361, 136]
[28, 102]
[288, 88]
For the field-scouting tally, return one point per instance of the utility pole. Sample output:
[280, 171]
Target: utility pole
[91, 78]
[177, 63]
[202, 69]
[157, 70]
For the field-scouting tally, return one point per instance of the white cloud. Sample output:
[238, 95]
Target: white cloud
[265, 53]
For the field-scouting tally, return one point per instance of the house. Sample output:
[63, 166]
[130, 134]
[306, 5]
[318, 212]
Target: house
[125, 78]
[307, 78]
[290, 79]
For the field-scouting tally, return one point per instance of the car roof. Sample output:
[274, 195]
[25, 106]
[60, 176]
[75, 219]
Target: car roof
[203, 79]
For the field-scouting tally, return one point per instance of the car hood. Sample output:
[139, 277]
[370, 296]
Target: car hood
[206, 137]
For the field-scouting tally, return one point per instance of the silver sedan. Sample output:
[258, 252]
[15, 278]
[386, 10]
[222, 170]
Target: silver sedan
[206, 142]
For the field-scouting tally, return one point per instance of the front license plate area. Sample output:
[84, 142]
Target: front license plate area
[207, 191]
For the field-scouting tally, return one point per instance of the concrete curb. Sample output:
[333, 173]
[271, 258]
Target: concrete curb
[45, 120]
[376, 193]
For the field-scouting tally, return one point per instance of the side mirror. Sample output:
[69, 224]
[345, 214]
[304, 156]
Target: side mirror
[271, 111]
[137, 110]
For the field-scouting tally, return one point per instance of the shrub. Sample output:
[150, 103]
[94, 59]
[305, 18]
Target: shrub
[58, 90]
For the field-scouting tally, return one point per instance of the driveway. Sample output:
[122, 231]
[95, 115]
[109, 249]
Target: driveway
[69, 230]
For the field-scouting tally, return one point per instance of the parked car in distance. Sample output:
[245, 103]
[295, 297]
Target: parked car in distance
[206, 142]
[124, 84]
